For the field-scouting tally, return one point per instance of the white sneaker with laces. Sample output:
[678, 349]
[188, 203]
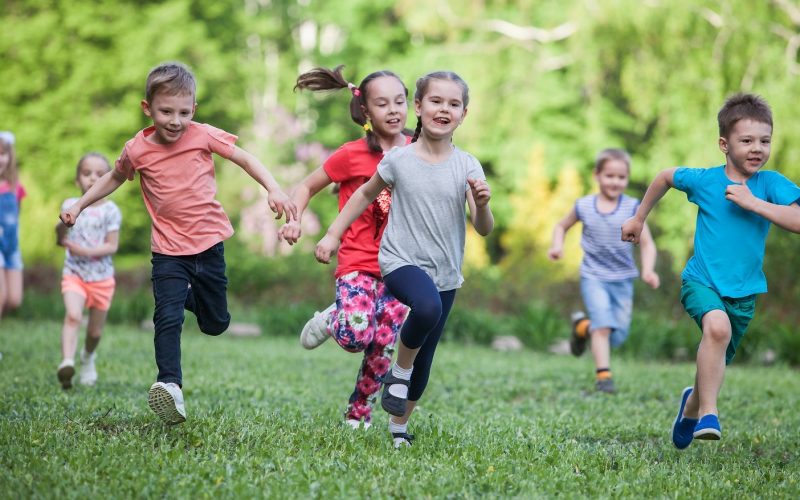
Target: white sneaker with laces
[315, 331]
[65, 372]
[88, 371]
[166, 401]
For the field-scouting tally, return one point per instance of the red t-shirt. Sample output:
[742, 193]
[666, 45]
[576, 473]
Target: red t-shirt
[351, 166]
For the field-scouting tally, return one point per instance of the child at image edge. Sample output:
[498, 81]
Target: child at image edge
[736, 202]
[88, 276]
[176, 170]
[608, 268]
[11, 194]
[422, 247]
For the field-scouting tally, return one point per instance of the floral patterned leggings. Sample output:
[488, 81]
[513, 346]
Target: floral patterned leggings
[367, 319]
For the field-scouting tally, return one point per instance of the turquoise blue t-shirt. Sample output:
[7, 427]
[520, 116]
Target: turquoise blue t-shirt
[729, 241]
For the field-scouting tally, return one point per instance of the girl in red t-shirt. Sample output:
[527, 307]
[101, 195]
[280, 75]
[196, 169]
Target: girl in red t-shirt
[365, 316]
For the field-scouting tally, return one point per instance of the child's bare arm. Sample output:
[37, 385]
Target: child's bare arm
[632, 228]
[354, 207]
[103, 187]
[109, 247]
[301, 195]
[478, 198]
[783, 216]
[61, 233]
[648, 255]
[279, 202]
[556, 250]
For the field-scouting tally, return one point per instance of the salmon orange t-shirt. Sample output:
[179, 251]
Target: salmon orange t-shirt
[179, 187]
[351, 166]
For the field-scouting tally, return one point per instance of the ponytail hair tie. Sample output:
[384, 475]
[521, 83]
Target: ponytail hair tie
[354, 89]
[366, 127]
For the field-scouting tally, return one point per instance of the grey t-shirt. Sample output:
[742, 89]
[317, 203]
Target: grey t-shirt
[427, 221]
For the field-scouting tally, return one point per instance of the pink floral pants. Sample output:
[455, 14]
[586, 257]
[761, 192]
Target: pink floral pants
[367, 319]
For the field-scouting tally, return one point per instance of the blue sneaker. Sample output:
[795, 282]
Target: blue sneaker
[683, 428]
[708, 428]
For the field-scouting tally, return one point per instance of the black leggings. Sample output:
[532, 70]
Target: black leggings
[428, 313]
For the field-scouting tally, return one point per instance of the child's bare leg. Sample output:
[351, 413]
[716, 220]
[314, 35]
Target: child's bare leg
[13, 296]
[97, 320]
[406, 356]
[601, 347]
[710, 364]
[73, 303]
[404, 419]
[3, 288]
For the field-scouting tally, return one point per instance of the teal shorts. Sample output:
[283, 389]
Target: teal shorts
[698, 299]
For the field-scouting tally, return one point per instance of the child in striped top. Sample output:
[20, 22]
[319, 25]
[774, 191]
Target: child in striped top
[608, 268]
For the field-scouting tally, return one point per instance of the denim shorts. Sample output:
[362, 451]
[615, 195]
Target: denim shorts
[609, 304]
[11, 260]
[699, 299]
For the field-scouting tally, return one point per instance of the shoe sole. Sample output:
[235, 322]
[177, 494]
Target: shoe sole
[308, 340]
[163, 404]
[65, 375]
[708, 435]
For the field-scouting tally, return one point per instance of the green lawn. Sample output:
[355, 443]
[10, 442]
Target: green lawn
[264, 420]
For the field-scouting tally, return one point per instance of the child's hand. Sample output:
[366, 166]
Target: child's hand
[555, 253]
[70, 215]
[325, 248]
[290, 232]
[651, 278]
[280, 203]
[741, 195]
[632, 230]
[480, 192]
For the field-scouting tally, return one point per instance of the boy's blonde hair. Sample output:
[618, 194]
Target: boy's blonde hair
[172, 78]
[611, 154]
[10, 174]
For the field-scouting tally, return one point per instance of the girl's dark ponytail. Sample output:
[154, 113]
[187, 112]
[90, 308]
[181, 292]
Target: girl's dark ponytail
[323, 79]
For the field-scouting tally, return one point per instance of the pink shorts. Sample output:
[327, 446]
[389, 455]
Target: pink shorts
[98, 294]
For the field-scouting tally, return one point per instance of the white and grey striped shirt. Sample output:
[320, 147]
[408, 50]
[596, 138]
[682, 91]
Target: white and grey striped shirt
[605, 256]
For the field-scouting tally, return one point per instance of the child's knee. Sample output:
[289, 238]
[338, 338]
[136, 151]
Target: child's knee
[215, 328]
[717, 330]
[73, 319]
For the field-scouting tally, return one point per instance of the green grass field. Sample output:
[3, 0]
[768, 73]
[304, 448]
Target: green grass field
[264, 420]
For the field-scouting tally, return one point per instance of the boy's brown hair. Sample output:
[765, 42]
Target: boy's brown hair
[742, 106]
[171, 78]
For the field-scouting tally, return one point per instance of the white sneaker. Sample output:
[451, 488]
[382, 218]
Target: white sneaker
[166, 401]
[355, 424]
[65, 372]
[315, 332]
[88, 371]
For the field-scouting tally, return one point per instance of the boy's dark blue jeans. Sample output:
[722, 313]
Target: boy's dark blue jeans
[207, 299]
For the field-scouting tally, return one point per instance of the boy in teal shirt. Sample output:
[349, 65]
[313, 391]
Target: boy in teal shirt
[736, 205]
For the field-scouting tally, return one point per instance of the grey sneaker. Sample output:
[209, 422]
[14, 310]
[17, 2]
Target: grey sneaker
[166, 401]
[88, 371]
[605, 385]
[65, 372]
[315, 331]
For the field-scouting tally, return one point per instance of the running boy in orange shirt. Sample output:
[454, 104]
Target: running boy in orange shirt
[176, 170]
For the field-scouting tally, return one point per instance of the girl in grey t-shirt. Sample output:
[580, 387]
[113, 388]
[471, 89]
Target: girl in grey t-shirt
[423, 245]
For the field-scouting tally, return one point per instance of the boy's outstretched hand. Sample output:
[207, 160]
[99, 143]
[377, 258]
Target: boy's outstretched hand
[281, 203]
[325, 248]
[632, 230]
[480, 192]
